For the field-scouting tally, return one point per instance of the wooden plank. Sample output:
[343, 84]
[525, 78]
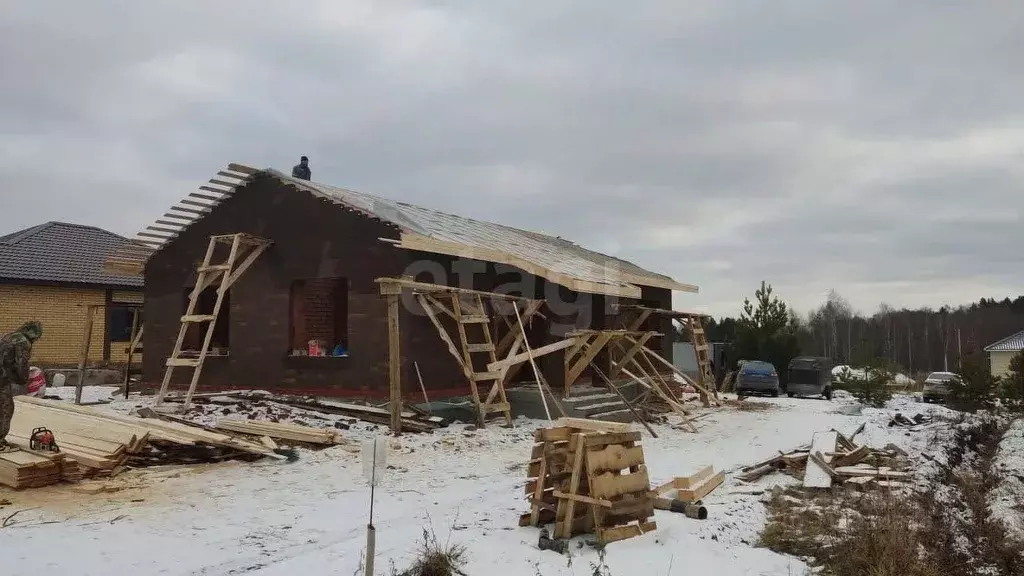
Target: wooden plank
[280, 431]
[852, 458]
[628, 356]
[83, 358]
[539, 488]
[702, 490]
[614, 457]
[609, 485]
[594, 425]
[588, 356]
[536, 353]
[816, 475]
[599, 440]
[444, 335]
[564, 528]
[870, 471]
[558, 434]
[609, 535]
[584, 499]
[687, 482]
[242, 169]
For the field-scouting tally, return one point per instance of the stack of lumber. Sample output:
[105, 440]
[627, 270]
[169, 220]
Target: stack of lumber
[832, 459]
[282, 431]
[26, 469]
[99, 443]
[589, 476]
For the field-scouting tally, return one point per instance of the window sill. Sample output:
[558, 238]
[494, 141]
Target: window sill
[316, 361]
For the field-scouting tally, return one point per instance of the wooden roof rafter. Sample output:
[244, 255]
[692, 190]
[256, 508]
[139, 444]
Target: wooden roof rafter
[130, 260]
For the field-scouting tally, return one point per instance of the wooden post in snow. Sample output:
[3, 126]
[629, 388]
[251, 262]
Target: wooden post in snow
[83, 360]
[391, 295]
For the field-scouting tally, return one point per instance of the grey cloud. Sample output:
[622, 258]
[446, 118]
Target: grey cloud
[814, 145]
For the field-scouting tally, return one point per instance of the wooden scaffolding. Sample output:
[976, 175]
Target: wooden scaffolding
[243, 250]
[486, 364]
[692, 322]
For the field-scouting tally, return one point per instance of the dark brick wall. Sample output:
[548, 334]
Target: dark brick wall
[312, 239]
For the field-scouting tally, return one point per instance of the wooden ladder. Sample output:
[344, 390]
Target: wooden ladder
[243, 251]
[705, 376]
[477, 315]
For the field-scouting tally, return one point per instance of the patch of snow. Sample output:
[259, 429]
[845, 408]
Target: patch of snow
[89, 393]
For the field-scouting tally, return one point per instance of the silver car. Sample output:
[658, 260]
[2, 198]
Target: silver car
[937, 386]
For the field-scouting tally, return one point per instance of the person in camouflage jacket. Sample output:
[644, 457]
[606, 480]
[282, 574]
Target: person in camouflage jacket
[15, 350]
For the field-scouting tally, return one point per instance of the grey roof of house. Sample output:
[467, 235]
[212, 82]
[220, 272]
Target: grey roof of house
[62, 253]
[551, 252]
[1013, 343]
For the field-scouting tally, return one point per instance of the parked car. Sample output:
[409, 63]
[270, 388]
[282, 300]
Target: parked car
[809, 376]
[757, 377]
[936, 386]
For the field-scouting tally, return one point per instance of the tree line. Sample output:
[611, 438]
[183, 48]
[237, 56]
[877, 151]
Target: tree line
[916, 340]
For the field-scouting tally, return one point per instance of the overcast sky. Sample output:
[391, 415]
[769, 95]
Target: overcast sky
[874, 147]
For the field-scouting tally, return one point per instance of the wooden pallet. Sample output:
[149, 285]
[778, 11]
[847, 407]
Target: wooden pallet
[589, 481]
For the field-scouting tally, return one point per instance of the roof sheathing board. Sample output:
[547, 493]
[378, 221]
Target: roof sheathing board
[557, 255]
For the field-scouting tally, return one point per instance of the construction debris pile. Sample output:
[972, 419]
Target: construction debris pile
[302, 410]
[834, 459]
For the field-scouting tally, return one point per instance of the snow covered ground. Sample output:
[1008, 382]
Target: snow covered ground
[309, 517]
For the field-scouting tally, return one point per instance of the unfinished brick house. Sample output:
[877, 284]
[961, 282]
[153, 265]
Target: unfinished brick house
[308, 317]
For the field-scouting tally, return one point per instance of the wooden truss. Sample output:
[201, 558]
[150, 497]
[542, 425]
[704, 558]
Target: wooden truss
[243, 250]
[588, 480]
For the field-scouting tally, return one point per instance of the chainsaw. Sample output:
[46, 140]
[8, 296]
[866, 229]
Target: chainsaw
[43, 439]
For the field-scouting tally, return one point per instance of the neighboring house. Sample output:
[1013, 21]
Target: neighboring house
[1002, 351]
[52, 273]
[317, 281]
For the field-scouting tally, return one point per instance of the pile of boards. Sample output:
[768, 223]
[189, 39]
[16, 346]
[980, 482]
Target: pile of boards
[834, 459]
[589, 476]
[95, 443]
[26, 469]
[283, 431]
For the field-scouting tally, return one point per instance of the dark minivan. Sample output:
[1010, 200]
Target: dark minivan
[809, 376]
